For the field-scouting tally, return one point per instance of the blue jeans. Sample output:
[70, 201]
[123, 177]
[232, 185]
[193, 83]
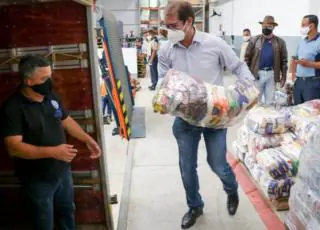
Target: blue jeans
[188, 138]
[306, 90]
[154, 72]
[267, 86]
[106, 104]
[47, 201]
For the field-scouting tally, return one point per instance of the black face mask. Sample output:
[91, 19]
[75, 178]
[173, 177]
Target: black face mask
[44, 88]
[267, 31]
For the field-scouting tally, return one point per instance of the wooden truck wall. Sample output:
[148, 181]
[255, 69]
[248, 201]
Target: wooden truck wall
[57, 30]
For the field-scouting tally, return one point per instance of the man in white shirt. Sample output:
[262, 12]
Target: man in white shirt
[202, 55]
[246, 39]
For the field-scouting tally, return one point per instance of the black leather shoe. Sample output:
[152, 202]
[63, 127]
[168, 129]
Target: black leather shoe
[190, 218]
[233, 203]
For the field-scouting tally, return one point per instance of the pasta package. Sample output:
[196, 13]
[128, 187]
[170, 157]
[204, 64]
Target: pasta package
[202, 104]
[278, 189]
[268, 120]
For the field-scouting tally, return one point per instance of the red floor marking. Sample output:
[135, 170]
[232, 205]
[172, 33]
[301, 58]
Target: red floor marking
[269, 218]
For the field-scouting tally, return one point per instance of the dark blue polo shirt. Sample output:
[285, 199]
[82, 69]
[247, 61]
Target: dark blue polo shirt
[267, 55]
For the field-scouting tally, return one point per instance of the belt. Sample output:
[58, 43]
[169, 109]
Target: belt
[309, 78]
[267, 69]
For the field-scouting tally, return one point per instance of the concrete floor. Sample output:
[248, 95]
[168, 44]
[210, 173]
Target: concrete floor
[157, 198]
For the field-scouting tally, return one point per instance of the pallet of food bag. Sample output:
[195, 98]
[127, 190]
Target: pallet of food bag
[202, 104]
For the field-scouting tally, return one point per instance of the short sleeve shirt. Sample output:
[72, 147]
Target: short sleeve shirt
[309, 50]
[39, 124]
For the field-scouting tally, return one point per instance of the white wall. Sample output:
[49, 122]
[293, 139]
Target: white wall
[240, 14]
[126, 11]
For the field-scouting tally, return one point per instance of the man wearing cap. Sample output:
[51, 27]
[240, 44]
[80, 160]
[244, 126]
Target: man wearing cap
[306, 72]
[267, 58]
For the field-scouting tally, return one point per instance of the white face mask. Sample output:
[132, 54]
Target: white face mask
[246, 38]
[175, 35]
[149, 37]
[304, 31]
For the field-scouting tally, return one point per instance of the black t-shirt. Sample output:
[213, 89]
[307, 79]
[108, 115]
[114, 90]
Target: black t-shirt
[39, 124]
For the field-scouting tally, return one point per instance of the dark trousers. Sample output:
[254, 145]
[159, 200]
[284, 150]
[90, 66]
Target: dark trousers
[188, 138]
[154, 72]
[106, 104]
[47, 201]
[306, 90]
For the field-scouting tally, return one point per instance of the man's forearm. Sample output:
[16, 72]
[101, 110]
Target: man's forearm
[316, 65]
[74, 129]
[243, 72]
[30, 152]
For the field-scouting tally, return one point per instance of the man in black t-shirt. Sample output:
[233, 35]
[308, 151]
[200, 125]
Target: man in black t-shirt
[33, 125]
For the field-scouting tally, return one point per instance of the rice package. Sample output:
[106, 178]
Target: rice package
[202, 104]
[267, 120]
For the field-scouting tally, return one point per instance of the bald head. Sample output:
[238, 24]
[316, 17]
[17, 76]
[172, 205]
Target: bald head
[181, 10]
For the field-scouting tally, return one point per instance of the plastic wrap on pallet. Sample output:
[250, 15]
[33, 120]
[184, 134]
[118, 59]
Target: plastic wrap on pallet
[258, 142]
[305, 197]
[275, 163]
[267, 120]
[305, 206]
[202, 104]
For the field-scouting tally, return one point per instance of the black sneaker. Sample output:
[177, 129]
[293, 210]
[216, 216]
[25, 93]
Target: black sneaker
[233, 203]
[190, 218]
[116, 131]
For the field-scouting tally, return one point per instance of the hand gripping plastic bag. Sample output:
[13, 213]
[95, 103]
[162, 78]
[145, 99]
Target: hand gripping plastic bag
[268, 120]
[202, 104]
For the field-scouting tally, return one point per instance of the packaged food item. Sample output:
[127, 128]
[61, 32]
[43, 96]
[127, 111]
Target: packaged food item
[305, 126]
[273, 161]
[267, 120]
[238, 150]
[258, 142]
[278, 189]
[281, 98]
[243, 136]
[202, 104]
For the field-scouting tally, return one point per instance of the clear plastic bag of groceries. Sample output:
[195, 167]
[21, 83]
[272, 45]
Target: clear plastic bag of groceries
[265, 119]
[258, 142]
[238, 150]
[307, 109]
[243, 136]
[305, 126]
[202, 104]
[275, 163]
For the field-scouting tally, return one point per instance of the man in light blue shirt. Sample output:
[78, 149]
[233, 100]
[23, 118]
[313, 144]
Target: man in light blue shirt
[307, 63]
[204, 56]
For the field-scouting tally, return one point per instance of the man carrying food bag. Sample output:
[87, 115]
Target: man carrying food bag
[203, 55]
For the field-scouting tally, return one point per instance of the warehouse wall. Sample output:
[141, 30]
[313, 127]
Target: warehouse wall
[126, 11]
[240, 14]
